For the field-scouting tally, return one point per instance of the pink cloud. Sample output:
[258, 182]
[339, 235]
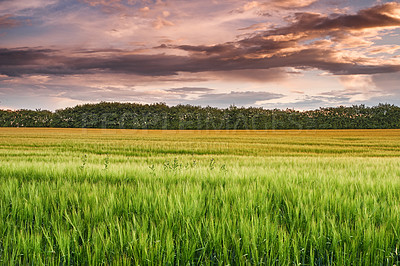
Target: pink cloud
[6, 21]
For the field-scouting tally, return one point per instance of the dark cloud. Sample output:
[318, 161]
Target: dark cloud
[208, 50]
[146, 65]
[30, 61]
[16, 62]
[269, 50]
[283, 47]
[24, 56]
[254, 75]
[308, 26]
[374, 17]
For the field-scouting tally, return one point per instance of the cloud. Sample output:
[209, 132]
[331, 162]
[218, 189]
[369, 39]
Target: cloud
[292, 3]
[81, 92]
[104, 49]
[43, 87]
[189, 90]
[358, 82]
[102, 2]
[256, 27]
[162, 22]
[24, 8]
[16, 62]
[107, 6]
[252, 75]
[388, 82]
[389, 86]
[384, 49]
[176, 95]
[303, 44]
[306, 102]
[345, 96]
[6, 21]
[245, 98]
[385, 15]
[264, 7]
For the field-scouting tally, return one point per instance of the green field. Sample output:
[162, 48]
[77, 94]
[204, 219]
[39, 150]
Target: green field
[77, 196]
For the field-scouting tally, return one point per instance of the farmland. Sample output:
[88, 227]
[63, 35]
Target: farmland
[92, 196]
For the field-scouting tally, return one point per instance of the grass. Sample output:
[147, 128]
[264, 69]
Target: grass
[76, 196]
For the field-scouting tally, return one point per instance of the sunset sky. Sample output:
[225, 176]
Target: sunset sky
[300, 54]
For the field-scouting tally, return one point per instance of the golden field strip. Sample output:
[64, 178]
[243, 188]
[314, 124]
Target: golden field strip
[280, 197]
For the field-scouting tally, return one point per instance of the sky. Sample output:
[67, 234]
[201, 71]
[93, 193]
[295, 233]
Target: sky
[301, 54]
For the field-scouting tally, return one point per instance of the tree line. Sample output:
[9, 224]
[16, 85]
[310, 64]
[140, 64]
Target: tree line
[160, 116]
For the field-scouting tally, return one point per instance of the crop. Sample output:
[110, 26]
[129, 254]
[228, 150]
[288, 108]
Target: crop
[81, 196]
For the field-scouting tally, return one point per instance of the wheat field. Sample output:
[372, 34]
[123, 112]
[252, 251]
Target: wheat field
[148, 197]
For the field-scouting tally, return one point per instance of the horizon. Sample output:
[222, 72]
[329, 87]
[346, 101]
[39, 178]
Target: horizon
[300, 55]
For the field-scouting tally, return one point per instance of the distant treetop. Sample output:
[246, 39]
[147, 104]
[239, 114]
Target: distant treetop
[161, 116]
